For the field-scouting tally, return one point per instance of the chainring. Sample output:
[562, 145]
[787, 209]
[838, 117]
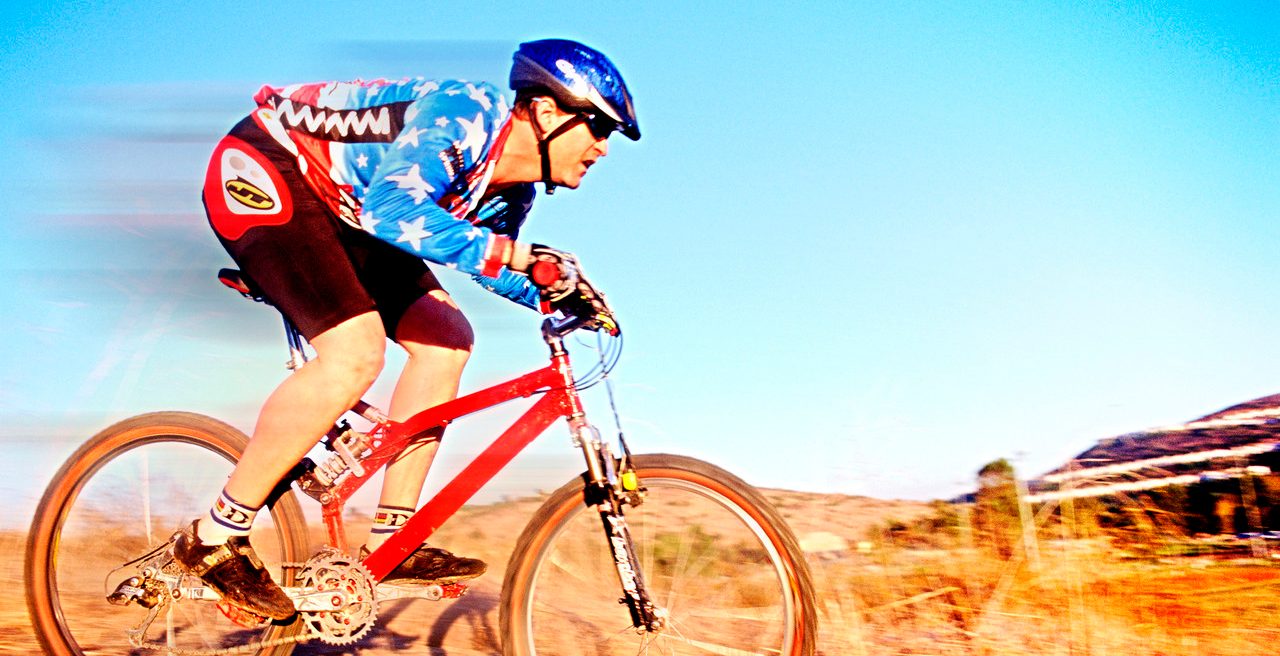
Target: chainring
[332, 570]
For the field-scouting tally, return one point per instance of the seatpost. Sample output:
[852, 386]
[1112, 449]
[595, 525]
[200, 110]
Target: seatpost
[297, 352]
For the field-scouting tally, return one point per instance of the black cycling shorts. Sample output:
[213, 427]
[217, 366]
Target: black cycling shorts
[318, 270]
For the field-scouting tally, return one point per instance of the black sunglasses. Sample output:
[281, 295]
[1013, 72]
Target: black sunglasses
[601, 126]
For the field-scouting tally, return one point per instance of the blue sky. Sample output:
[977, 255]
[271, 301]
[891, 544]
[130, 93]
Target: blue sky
[862, 247]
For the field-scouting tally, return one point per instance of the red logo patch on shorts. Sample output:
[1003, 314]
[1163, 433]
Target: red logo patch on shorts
[243, 189]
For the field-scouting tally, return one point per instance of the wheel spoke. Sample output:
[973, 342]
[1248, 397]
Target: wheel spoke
[720, 650]
[119, 497]
[726, 587]
[559, 561]
[675, 635]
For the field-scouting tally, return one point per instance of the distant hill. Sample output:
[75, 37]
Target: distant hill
[1243, 424]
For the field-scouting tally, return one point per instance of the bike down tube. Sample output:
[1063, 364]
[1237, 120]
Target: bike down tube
[398, 435]
[557, 403]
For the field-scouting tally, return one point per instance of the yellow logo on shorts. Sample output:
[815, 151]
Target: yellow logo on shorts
[248, 195]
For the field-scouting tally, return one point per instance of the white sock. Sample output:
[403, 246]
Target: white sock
[227, 518]
[386, 521]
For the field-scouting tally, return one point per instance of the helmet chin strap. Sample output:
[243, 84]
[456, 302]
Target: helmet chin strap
[544, 147]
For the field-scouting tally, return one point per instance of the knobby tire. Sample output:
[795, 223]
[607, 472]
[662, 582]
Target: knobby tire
[87, 523]
[713, 551]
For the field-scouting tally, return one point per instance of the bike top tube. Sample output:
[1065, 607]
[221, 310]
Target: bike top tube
[553, 382]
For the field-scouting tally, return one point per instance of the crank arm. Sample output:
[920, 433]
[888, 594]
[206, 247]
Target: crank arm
[432, 592]
[304, 599]
[312, 600]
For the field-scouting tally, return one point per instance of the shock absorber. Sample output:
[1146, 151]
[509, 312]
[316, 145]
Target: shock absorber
[349, 447]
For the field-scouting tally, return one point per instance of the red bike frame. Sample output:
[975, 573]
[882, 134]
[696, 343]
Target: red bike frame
[559, 399]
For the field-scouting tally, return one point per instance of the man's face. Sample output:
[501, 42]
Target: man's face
[574, 151]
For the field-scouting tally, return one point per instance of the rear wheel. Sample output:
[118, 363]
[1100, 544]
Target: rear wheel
[713, 552]
[123, 493]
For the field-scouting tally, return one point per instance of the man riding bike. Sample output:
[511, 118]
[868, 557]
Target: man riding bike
[329, 196]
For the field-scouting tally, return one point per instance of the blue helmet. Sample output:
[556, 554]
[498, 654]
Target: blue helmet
[579, 78]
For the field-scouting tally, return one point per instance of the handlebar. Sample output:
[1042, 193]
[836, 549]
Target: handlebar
[582, 305]
[555, 328]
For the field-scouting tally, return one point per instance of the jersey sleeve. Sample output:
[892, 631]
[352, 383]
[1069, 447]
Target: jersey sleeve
[504, 213]
[447, 134]
[511, 285]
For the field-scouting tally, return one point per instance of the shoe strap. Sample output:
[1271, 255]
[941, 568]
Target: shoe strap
[222, 554]
[244, 549]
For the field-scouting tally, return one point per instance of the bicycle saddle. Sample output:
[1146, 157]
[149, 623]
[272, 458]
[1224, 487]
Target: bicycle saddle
[237, 280]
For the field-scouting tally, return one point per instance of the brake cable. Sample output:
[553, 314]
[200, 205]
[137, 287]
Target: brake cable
[613, 404]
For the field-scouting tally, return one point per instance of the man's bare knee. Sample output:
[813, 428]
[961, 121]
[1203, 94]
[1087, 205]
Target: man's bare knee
[435, 324]
[439, 356]
[359, 368]
[352, 353]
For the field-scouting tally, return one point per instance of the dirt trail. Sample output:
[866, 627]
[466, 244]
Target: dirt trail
[469, 626]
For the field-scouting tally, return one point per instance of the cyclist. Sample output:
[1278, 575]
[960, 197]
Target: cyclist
[330, 196]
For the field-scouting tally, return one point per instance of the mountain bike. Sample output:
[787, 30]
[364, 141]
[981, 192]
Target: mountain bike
[640, 554]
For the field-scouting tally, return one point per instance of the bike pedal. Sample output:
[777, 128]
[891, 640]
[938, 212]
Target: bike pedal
[453, 590]
[240, 616]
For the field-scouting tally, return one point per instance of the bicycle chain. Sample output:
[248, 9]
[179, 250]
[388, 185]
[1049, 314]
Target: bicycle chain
[301, 636]
[307, 633]
[227, 651]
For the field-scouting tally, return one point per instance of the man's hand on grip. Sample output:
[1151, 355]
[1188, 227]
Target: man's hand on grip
[562, 286]
[553, 272]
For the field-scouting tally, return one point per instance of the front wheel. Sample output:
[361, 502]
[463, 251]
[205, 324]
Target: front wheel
[123, 494]
[714, 554]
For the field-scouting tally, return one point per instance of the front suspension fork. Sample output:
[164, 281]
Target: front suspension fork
[610, 486]
[634, 592]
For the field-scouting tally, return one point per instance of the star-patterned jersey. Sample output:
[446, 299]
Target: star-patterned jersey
[409, 162]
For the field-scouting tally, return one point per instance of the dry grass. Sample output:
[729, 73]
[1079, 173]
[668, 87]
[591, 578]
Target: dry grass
[15, 631]
[1076, 596]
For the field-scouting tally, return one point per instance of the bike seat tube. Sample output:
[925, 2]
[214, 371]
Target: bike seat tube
[297, 350]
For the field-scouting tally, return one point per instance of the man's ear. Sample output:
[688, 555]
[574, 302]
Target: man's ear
[543, 112]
